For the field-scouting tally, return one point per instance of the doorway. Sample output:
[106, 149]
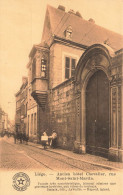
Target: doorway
[97, 114]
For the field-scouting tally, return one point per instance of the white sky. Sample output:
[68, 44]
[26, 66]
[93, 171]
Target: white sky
[21, 25]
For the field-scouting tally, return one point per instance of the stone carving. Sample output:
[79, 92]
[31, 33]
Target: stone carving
[114, 99]
[116, 79]
[119, 99]
[78, 107]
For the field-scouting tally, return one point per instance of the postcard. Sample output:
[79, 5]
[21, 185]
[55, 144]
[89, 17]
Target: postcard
[61, 88]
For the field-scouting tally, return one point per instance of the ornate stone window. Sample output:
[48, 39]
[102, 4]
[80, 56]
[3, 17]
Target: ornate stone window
[68, 32]
[43, 64]
[43, 67]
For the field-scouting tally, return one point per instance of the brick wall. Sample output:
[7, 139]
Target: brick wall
[61, 113]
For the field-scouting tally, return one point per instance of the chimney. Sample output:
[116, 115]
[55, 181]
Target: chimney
[71, 11]
[61, 7]
[78, 14]
[91, 20]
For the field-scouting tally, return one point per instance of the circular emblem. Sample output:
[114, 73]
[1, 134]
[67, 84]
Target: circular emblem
[21, 181]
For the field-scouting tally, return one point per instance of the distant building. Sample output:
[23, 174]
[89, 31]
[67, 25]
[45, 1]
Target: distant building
[32, 109]
[21, 107]
[3, 121]
[75, 77]
[11, 126]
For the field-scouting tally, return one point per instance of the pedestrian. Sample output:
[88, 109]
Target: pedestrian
[54, 139]
[15, 137]
[44, 139]
[44, 133]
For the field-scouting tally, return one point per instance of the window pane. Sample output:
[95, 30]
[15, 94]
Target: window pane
[43, 68]
[43, 64]
[43, 61]
[67, 62]
[73, 63]
[67, 73]
[72, 73]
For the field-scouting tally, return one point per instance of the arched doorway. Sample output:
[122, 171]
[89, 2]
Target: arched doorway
[97, 114]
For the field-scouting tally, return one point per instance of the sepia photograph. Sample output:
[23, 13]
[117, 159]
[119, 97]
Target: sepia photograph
[61, 97]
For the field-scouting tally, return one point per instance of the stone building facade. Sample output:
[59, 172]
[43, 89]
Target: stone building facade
[32, 108]
[3, 122]
[21, 107]
[75, 79]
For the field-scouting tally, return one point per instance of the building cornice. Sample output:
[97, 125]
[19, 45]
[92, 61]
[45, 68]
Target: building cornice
[67, 42]
[37, 47]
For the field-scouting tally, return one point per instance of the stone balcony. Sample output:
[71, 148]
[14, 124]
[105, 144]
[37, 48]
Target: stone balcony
[39, 91]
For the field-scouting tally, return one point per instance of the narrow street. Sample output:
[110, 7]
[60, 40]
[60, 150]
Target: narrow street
[26, 157]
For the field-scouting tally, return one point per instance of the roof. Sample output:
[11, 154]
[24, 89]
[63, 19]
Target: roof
[42, 45]
[23, 86]
[83, 32]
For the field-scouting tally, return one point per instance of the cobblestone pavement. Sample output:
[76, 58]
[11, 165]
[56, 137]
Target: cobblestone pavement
[14, 159]
[92, 159]
[22, 156]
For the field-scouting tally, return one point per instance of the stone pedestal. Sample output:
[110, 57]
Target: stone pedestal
[79, 148]
[115, 154]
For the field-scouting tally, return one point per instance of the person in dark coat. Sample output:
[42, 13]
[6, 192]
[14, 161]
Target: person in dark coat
[54, 139]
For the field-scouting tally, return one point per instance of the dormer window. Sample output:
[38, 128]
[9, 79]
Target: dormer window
[68, 32]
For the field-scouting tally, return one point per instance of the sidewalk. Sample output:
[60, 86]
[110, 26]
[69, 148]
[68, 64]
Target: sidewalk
[92, 159]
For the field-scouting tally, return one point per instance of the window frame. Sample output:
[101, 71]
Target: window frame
[71, 58]
[68, 54]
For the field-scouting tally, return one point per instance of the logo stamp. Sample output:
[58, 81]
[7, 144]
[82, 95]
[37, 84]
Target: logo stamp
[21, 181]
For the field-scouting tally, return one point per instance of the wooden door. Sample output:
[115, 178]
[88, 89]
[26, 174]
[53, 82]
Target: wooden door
[97, 114]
